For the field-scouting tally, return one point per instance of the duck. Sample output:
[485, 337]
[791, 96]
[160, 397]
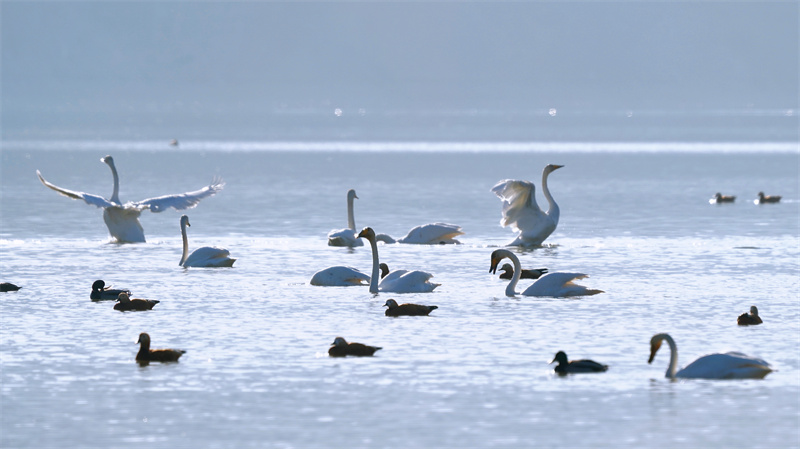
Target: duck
[407, 309]
[731, 365]
[146, 355]
[126, 304]
[102, 293]
[8, 287]
[751, 318]
[554, 285]
[762, 199]
[508, 272]
[720, 198]
[341, 348]
[576, 366]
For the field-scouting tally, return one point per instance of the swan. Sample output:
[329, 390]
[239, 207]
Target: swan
[433, 234]
[731, 365]
[347, 236]
[551, 284]
[146, 355]
[122, 220]
[407, 309]
[340, 276]
[720, 198]
[398, 281]
[576, 366]
[341, 348]
[749, 318]
[100, 292]
[125, 303]
[207, 256]
[521, 212]
[508, 272]
[762, 199]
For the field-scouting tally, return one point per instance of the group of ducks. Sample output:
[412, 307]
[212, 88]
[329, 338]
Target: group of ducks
[520, 211]
[762, 199]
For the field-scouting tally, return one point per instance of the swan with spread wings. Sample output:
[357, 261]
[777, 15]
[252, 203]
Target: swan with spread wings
[522, 213]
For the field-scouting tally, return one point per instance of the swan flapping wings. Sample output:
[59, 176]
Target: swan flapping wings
[179, 201]
[92, 200]
[520, 210]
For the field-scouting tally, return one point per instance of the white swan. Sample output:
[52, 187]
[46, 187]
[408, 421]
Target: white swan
[522, 213]
[207, 256]
[397, 281]
[347, 236]
[551, 284]
[122, 220]
[432, 234]
[339, 276]
[731, 365]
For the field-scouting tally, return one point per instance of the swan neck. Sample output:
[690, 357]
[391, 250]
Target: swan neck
[115, 193]
[672, 369]
[552, 210]
[185, 244]
[512, 285]
[373, 280]
[351, 220]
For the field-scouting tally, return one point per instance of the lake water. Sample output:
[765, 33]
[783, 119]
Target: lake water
[475, 373]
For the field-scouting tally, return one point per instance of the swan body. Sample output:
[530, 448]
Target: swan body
[432, 234]
[147, 355]
[207, 256]
[522, 213]
[100, 292]
[341, 348]
[407, 309]
[576, 366]
[751, 318]
[122, 220]
[720, 198]
[508, 272]
[339, 277]
[126, 304]
[347, 236]
[763, 199]
[397, 281]
[731, 365]
[555, 285]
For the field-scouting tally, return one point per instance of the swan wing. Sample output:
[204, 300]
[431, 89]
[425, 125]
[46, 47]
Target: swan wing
[339, 277]
[179, 201]
[520, 210]
[731, 365]
[90, 199]
[344, 237]
[404, 281]
[432, 234]
[559, 285]
[209, 256]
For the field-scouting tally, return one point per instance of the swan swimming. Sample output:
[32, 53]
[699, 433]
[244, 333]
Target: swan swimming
[122, 220]
[398, 281]
[522, 213]
[207, 256]
[554, 285]
[731, 365]
[347, 236]
[433, 234]
[340, 276]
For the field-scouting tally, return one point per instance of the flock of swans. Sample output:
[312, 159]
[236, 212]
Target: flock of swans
[519, 211]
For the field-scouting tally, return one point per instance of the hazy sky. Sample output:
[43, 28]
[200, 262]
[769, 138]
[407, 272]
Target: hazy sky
[65, 60]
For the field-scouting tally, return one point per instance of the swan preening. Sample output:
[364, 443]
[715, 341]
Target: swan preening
[122, 220]
[763, 199]
[126, 304]
[407, 309]
[576, 366]
[146, 355]
[551, 284]
[731, 365]
[397, 281]
[720, 198]
[341, 348]
[751, 318]
[101, 293]
[207, 256]
[522, 213]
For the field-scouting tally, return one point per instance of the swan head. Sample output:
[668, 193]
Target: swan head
[655, 344]
[754, 310]
[384, 269]
[144, 339]
[552, 167]
[185, 221]
[123, 297]
[351, 194]
[496, 258]
[561, 358]
[367, 233]
[339, 341]
[108, 160]
[390, 303]
[98, 285]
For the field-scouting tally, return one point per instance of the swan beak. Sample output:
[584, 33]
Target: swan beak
[493, 268]
[653, 350]
[556, 167]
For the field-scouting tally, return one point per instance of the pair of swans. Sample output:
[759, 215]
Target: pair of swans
[428, 234]
[731, 365]
[555, 285]
[522, 213]
[122, 220]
